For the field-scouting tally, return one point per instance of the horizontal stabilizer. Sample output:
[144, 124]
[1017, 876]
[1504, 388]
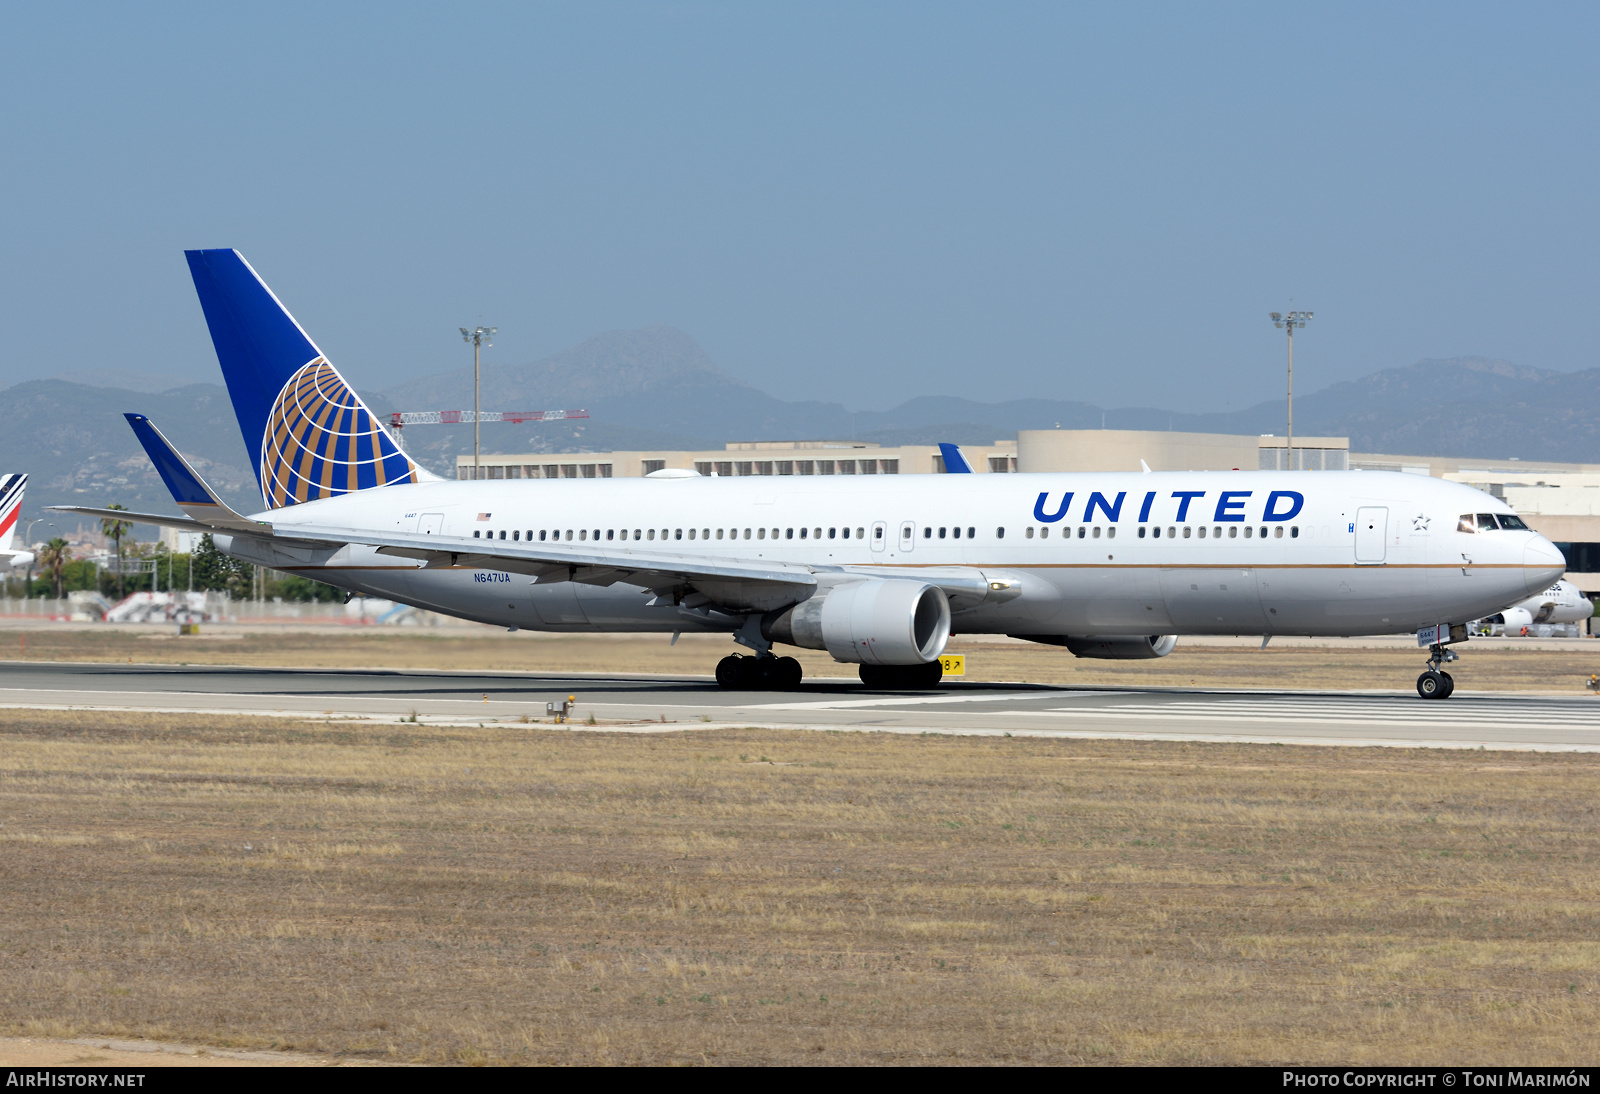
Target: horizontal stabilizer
[189, 490]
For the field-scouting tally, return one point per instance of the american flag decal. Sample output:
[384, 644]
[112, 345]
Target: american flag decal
[322, 441]
[483, 516]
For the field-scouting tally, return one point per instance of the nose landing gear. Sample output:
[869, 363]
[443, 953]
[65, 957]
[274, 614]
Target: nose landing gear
[1435, 683]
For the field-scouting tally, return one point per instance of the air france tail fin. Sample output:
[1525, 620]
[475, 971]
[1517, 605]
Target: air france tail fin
[955, 461]
[309, 435]
[11, 488]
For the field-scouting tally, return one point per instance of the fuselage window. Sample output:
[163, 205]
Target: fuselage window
[1277, 533]
[515, 536]
[1263, 532]
[542, 534]
[774, 533]
[691, 533]
[802, 533]
[597, 533]
[816, 533]
[1187, 531]
[876, 532]
[1082, 532]
[1044, 533]
[678, 534]
[611, 533]
[1111, 533]
[747, 533]
[790, 534]
[1172, 532]
[1233, 531]
[999, 533]
[477, 534]
[705, 533]
[927, 533]
[1294, 532]
[1247, 532]
[1029, 533]
[1202, 531]
[637, 534]
[831, 532]
[1096, 531]
[761, 533]
[719, 533]
[941, 533]
[971, 532]
[583, 533]
[861, 533]
[1216, 533]
[652, 534]
[1142, 531]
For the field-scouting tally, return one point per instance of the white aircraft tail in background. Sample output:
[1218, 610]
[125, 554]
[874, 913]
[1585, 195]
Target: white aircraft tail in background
[11, 488]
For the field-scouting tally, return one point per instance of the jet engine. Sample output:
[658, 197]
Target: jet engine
[19, 560]
[1516, 619]
[878, 621]
[1109, 647]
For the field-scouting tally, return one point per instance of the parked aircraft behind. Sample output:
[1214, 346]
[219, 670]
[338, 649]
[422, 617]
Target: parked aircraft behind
[879, 571]
[11, 488]
[1561, 603]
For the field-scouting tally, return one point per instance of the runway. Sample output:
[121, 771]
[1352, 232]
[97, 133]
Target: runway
[622, 702]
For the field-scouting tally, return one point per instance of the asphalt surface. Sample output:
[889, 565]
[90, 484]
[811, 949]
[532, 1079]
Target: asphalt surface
[659, 703]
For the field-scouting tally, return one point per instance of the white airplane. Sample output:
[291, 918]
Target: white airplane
[1560, 603]
[11, 488]
[879, 571]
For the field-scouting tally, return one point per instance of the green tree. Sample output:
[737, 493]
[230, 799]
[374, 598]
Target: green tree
[215, 570]
[53, 557]
[114, 529]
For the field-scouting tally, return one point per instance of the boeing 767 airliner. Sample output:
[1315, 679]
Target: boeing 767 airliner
[879, 570]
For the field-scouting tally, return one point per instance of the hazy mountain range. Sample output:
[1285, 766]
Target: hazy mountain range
[656, 388]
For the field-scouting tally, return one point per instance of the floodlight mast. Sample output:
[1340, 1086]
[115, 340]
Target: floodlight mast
[1289, 321]
[479, 337]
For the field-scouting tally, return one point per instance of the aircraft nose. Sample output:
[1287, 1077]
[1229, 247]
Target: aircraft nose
[1542, 564]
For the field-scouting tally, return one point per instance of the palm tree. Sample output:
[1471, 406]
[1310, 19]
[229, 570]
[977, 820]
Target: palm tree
[115, 529]
[52, 557]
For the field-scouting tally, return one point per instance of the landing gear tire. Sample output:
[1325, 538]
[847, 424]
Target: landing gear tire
[1435, 685]
[733, 671]
[786, 673]
[902, 677]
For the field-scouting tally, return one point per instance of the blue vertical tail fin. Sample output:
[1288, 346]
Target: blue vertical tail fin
[309, 435]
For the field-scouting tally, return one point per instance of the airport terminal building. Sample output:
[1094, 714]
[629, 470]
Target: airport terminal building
[1554, 498]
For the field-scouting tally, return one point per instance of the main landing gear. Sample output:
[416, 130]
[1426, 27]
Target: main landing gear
[741, 673]
[1435, 683]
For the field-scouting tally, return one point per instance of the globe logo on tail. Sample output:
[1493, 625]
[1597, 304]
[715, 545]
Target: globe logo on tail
[322, 441]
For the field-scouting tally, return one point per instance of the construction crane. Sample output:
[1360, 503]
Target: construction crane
[401, 418]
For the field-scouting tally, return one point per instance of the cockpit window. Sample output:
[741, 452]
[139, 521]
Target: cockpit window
[1466, 524]
[1512, 523]
[1486, 522]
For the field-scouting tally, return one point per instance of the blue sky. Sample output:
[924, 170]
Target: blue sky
[857, 202]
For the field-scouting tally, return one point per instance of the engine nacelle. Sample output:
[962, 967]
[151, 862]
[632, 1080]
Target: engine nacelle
[18, 560]
[1109, 647]
[1516, 619]
[879, 621]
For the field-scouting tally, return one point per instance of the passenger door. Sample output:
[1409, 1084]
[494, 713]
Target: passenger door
[880, 536]
[908, 536]
[1372, 529]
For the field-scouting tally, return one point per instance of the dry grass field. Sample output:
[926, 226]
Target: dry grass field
[1485, 666]
[532, 894]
